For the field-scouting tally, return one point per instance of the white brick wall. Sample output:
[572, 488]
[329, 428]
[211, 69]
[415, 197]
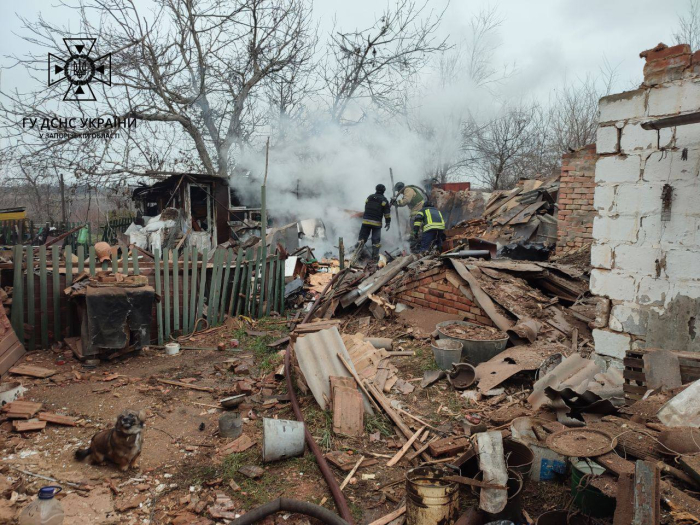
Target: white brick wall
[641, 262]
[620, 168]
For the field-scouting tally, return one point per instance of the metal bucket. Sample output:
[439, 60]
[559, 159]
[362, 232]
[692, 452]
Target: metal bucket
[230, 425]
[446, 352]
[430, 499]
[474, 351]
[514, 508]
[519, 457]
[282, 439]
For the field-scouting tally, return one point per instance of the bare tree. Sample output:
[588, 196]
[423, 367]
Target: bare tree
[192, 72]
[501, 151]
[373, 64]
[688, 31]
[573, 110]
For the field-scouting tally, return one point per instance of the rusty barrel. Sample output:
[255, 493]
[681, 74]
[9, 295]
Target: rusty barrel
[430, 499]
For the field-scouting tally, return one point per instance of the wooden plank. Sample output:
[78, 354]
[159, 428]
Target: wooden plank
[32, 371]
[263, 279]
[647, 510]
[176, 290]
[115, 263]
[393, 461]
[17, 293]
[57, 419]
[91, 260]
[216, 274]
[193, 291]
[202, 285]
[27, 426]
[159, 304]
[234, 299]
[31, 299]
[166, 293]
[185, 289]
[225, 286]
[56, 292]
[280, 292]
[135, 262]
[241, 290]
[249, 277]
[254, 291]
[449, 445]
[271, 278]
[81, 259]
[348, 411]
[634, 375]
[385, 520]
[125, 259]
[68, 256]
[43, 298]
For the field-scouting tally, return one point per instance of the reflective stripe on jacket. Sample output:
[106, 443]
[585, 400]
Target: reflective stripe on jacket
[429, 219]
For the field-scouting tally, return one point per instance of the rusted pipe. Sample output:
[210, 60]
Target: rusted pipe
[332, 483]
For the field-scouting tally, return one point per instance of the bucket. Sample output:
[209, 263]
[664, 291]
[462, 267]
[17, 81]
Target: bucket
[561, 517]
[430, 499]
[172, 348]
[519, 457]
[230, 425]
[446, 352]
[546, 464]
[473, 351]
[590, 500]
[10, 391]
[513, 510]
[282, 439]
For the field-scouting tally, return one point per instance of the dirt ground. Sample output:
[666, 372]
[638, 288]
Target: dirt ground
[182, 477]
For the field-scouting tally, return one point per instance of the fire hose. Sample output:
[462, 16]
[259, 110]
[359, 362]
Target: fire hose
[290, 505]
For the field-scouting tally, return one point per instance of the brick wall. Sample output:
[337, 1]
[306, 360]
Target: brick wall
[646, 244]
[433, 290]
[575, 200]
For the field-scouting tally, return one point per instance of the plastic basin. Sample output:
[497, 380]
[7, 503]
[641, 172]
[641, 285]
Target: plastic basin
[474, 351]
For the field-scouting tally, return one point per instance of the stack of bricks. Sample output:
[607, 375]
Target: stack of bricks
[432, 290]
[665, 64]
[575, 199]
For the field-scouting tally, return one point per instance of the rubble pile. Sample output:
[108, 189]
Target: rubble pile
[525, 214]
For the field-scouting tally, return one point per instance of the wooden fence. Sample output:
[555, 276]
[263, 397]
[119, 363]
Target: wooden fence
[196, 291]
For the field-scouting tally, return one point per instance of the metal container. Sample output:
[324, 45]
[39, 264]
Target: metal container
[230, 425]
[519, 457]
[430, 499]
[514, 507]
[282, 439]
[473, 351]
[446, 352]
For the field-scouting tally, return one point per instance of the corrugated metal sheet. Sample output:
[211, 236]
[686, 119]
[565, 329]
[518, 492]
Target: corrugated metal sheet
[579, 375]
[317, 355]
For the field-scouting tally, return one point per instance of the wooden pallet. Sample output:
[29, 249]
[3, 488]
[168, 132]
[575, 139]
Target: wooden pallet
[635, 385]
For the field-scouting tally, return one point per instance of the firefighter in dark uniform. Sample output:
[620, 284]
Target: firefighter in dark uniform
[376, 207]
[431, 222]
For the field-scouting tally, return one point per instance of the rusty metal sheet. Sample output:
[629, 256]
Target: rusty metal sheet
[647, 508]
[317, 355]
[493, 372]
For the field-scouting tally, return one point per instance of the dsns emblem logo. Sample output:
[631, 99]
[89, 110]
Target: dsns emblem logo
[80, 69]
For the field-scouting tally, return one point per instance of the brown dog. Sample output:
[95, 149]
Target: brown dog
[121, 445]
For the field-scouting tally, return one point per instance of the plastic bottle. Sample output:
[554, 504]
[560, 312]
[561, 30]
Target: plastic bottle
[45, 510]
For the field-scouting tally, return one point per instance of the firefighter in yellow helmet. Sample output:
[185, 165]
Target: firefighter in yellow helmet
[431, 223]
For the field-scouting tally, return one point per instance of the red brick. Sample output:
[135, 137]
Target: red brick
[652, 54]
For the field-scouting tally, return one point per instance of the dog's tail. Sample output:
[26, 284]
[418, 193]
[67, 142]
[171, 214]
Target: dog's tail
[82, 453]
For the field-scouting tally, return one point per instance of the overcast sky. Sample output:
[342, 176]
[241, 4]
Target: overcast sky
[547, 40]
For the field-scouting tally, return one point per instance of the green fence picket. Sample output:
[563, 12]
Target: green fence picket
[185, 290]
[68, 255]
[43, 299]
[159, 304]
[55, 267]
[31, 300]
[202, 286]
[176, 290]
[193, 291]
[225, 285]
[17, 293]
[166, 291]
[233, 301]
